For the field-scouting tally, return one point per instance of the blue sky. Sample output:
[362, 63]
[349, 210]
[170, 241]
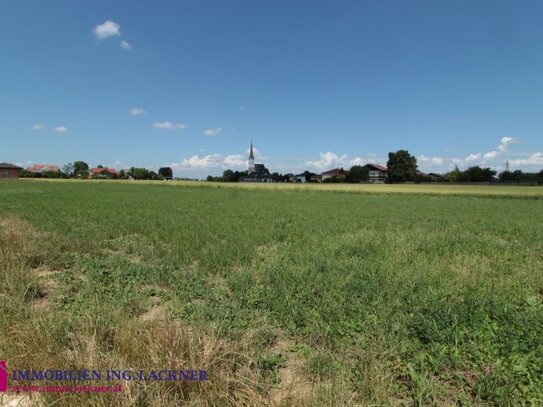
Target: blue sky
[314, 84]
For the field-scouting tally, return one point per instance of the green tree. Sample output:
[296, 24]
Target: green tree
[454, 175]
[515, 176]
[81, 169]
[26, 174]
[357, 174]
[51, 174]
[402, 166]
[166, 172]
[228, 176]
[68, 170]
[139, 173]
[478, 174]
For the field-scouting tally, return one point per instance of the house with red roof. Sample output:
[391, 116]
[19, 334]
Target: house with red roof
[377, 173]
[41, 168]
[103, 172]
[9, 171]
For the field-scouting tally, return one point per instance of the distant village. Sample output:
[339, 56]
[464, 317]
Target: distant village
[401, 167]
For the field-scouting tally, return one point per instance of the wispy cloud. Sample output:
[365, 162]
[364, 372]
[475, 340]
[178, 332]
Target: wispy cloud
[430, 161]
[330, 159]
[125, 45]
[169, 125]
[235, 161]
[38, 127]
[207, 161]
[107, 29]
[213, 132]
[137, 111]
[61, 129]
[216, 162]
[533, 160]
[473, 157]
[492, 154]
[505, 141]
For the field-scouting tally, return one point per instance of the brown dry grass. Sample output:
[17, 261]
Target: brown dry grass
[38, 336]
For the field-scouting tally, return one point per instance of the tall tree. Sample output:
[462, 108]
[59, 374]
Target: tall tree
[402, 166]
[166, 172]
[454, 175]
[139, 173]
[81, 169]
[357, 174]
[228, 176]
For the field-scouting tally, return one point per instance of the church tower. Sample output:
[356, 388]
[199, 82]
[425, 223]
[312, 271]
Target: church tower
[251, 160]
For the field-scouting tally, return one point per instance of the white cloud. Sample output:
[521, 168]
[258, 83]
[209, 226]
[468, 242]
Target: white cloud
[137, 111]
[107, 29]
[534, 159]
[61, 129]
[125, 45]
[236, 160]
[493, 154]
[207, 161]
[213, 132]
[490, 155]
[326, 160]
[216, 162]
[358, 161]
[473, 157]
[330, 159]
[169, 125]
[38, 127]
[431, 161]
[504, 143]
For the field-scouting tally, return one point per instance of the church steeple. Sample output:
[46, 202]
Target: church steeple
[251, 160]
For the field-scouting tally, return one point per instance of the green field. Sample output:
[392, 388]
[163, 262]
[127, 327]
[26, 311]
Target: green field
[289, 295]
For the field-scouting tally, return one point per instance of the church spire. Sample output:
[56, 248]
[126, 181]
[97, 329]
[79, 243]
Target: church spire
[251, 160]
[251, 156]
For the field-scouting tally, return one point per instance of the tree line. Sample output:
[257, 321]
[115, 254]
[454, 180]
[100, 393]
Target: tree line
[402, 167]
[80, 169]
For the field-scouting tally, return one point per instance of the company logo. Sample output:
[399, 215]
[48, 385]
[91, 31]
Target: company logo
[101, 378]
[3, 376]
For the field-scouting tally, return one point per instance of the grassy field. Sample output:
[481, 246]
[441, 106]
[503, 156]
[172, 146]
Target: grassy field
[286, 295]
[497, 190]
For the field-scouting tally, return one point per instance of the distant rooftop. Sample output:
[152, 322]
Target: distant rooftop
[7, 166]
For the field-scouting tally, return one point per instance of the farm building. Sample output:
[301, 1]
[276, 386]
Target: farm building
[297, 178]
[103, 172]
[41, 168]
[9, 171]
[332, 173]
[377, 173]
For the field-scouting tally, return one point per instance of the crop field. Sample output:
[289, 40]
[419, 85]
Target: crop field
[287, 296]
